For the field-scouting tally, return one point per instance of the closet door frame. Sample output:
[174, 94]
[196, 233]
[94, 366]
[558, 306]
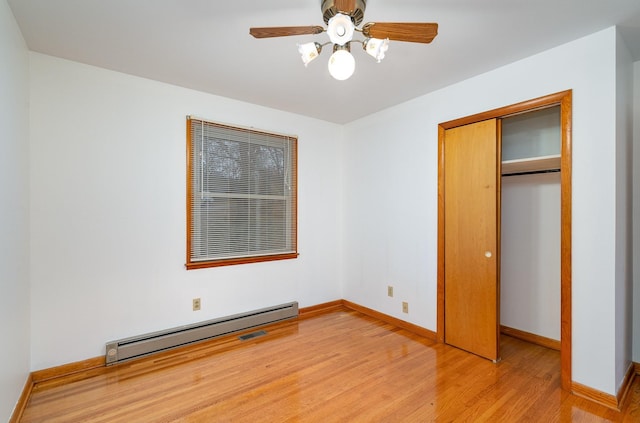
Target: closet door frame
[564, 100]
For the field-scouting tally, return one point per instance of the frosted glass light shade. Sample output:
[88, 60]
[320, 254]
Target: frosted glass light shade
[341, 65]
[340, 29]
[309, 51]
[377, 48]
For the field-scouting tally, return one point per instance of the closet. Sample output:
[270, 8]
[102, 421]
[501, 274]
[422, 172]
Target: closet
[504, 228]
[530, 227]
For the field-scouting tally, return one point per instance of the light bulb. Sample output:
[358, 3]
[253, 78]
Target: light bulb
[341, 65]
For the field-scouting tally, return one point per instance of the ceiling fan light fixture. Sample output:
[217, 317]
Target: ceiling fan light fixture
[309, 51]
[376, 47]
[341, 64]
[340, 29]
[343, 19]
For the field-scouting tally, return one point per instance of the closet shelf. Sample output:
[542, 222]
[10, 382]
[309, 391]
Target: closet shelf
[531, 164]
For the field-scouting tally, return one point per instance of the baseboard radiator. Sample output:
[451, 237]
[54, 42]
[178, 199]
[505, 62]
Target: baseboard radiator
[138, 346]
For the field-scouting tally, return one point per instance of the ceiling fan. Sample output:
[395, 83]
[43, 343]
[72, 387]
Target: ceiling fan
[342, 18]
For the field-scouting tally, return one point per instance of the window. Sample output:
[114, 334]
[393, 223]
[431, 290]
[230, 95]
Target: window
[241, 195]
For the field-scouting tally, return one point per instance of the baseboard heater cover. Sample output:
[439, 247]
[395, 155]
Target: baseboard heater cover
[138, 346]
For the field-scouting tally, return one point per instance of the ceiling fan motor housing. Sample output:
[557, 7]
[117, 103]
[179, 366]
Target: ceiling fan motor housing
[353, 8]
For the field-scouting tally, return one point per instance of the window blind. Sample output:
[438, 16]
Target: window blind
[242, 193]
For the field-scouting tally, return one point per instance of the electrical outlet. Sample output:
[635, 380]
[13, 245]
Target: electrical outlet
[390, 291]
[405, 307]
[196, 304]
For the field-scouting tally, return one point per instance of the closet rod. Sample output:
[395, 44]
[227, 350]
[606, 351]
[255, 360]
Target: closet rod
[532, 172]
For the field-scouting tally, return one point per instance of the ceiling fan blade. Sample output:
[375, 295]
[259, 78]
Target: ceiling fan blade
[412, 32]
[284, 31]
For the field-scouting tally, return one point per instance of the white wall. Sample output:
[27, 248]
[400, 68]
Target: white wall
[636, 213]
[624, 206]
[391, 193]
[14, 212]
[530, 254]
[108, 212]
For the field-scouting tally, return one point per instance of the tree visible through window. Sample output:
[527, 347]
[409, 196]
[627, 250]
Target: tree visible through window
[241, 195]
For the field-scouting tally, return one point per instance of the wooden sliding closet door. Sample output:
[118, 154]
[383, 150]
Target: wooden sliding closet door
[471, 237]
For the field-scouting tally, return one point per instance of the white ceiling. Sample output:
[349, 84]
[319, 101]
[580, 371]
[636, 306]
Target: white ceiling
[205, 44]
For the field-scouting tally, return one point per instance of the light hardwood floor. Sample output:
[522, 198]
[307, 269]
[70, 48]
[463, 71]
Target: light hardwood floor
[340, 366]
